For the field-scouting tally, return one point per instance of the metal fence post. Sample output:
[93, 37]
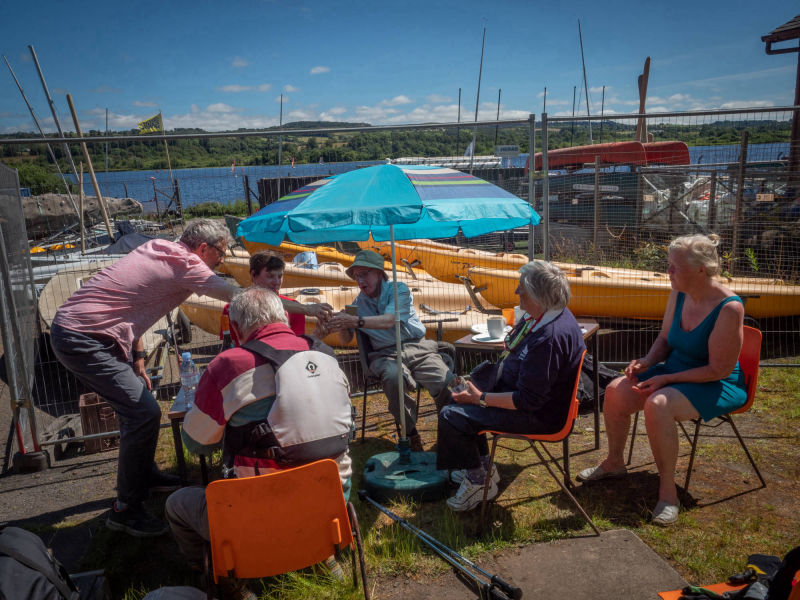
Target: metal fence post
[531, 190]
[737, 215]
[596, 201]
[545, 192]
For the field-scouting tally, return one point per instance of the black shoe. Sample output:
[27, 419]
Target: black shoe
[136, 521]
[164, 482]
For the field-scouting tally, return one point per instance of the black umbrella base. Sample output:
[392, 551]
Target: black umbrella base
[386, 478]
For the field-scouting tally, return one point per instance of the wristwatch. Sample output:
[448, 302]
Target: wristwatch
[137, 354]
[482, 400]
[360, 322]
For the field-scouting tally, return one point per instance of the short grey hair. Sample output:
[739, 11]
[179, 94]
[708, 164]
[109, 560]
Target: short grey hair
[700, 251]
[205, 231]
[546, 284]
[255, 307]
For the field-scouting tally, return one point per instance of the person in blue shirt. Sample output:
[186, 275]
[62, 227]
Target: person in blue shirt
[422, 363]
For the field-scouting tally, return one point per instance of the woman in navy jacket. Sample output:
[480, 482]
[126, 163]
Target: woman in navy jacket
[527, 391]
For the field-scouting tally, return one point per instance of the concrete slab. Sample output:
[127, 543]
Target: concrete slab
[615, 565]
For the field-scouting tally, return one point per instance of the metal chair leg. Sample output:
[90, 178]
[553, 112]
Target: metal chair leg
[564, 487]
[488, 481]
[364, 411]
[691, 455]
[729, 419]
[351, 512]
[633, 436]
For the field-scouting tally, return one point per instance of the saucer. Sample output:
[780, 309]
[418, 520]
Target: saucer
[485, 338]
[481, 328]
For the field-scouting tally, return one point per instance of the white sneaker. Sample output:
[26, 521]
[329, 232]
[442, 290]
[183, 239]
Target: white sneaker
[459, 475]
[469, 495]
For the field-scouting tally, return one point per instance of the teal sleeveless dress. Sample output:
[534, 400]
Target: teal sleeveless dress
[689, 350]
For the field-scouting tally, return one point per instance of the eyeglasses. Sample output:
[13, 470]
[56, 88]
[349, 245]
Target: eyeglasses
[218, 249]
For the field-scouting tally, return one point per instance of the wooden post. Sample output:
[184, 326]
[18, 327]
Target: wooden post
[91, 168]
[247, 198]
[737, 215]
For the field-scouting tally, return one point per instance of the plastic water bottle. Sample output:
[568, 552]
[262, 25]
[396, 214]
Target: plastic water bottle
[189, 378]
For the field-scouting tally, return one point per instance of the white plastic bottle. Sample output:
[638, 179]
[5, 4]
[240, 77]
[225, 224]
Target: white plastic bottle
[189, 378]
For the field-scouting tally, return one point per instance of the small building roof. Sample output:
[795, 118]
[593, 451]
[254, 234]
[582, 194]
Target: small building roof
[788, 31]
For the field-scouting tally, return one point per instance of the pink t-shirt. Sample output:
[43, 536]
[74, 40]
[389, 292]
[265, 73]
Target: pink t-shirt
[127, 298]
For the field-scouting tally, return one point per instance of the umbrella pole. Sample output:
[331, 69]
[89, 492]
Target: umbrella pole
[403, 445]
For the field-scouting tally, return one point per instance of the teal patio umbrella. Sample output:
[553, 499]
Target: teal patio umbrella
[389, 202]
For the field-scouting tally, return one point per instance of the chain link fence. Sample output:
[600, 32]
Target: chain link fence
[610, 213]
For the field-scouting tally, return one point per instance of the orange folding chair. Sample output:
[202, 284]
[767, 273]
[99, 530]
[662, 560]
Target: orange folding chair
[280, 522]
[560, 436]
[749, 357]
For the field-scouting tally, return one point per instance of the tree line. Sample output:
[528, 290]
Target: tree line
[37, 172]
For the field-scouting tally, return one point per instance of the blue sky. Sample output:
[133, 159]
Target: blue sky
[223, 65]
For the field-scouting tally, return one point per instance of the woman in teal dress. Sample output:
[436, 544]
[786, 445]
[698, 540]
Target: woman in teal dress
[691, 370]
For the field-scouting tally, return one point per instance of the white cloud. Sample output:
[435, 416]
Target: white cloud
[397, 100]
[438, 99]
[747, 104]
[290, 88]
[239, 62]
[106, 89]
[318, 70]
[221, 107]
[144, 104]
[599, 89]
[302, 115]
[337, 110]
[285, 99]
[236, 88]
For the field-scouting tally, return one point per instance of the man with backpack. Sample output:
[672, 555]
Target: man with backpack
[278, 401]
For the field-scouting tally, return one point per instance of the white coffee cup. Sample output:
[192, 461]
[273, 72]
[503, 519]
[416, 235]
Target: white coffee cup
[496, 326]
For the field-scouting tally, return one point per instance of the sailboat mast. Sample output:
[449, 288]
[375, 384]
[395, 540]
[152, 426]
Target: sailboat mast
[585, 83]
[280, 147]
[477, 103]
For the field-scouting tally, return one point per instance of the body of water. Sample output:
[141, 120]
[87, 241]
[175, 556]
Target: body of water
[226, 185]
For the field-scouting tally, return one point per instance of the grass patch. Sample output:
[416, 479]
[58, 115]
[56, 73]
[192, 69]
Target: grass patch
[727, 516]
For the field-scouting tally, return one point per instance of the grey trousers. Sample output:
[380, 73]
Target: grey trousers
[188, 519]
[422, 365]
[99, 363]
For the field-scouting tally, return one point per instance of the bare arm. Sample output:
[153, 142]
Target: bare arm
[660, 348]
[321, 311]
[472, 395]
[345, 324]
[139, 366]
[724, 345]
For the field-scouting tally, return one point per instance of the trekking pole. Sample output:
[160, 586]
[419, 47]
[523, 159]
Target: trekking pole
[495, 587]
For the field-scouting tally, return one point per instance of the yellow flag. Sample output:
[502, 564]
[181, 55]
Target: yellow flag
[151, 125]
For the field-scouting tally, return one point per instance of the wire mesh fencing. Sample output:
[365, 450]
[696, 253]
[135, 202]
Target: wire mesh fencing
[611, 211]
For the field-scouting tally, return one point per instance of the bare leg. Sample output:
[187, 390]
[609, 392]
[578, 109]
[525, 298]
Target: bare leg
[620, 403]
[661, 410]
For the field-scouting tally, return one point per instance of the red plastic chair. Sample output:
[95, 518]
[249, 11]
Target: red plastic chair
[749, 357]
[280, 522]
[560, 436]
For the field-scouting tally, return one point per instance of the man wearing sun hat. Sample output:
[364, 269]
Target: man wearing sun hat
[422, 363]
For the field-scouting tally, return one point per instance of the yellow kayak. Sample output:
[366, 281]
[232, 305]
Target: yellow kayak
[628, 293]
[288, 250]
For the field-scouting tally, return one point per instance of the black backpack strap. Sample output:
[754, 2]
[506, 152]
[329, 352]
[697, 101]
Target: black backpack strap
[277, 357]
[781, 585]
[51, 570]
